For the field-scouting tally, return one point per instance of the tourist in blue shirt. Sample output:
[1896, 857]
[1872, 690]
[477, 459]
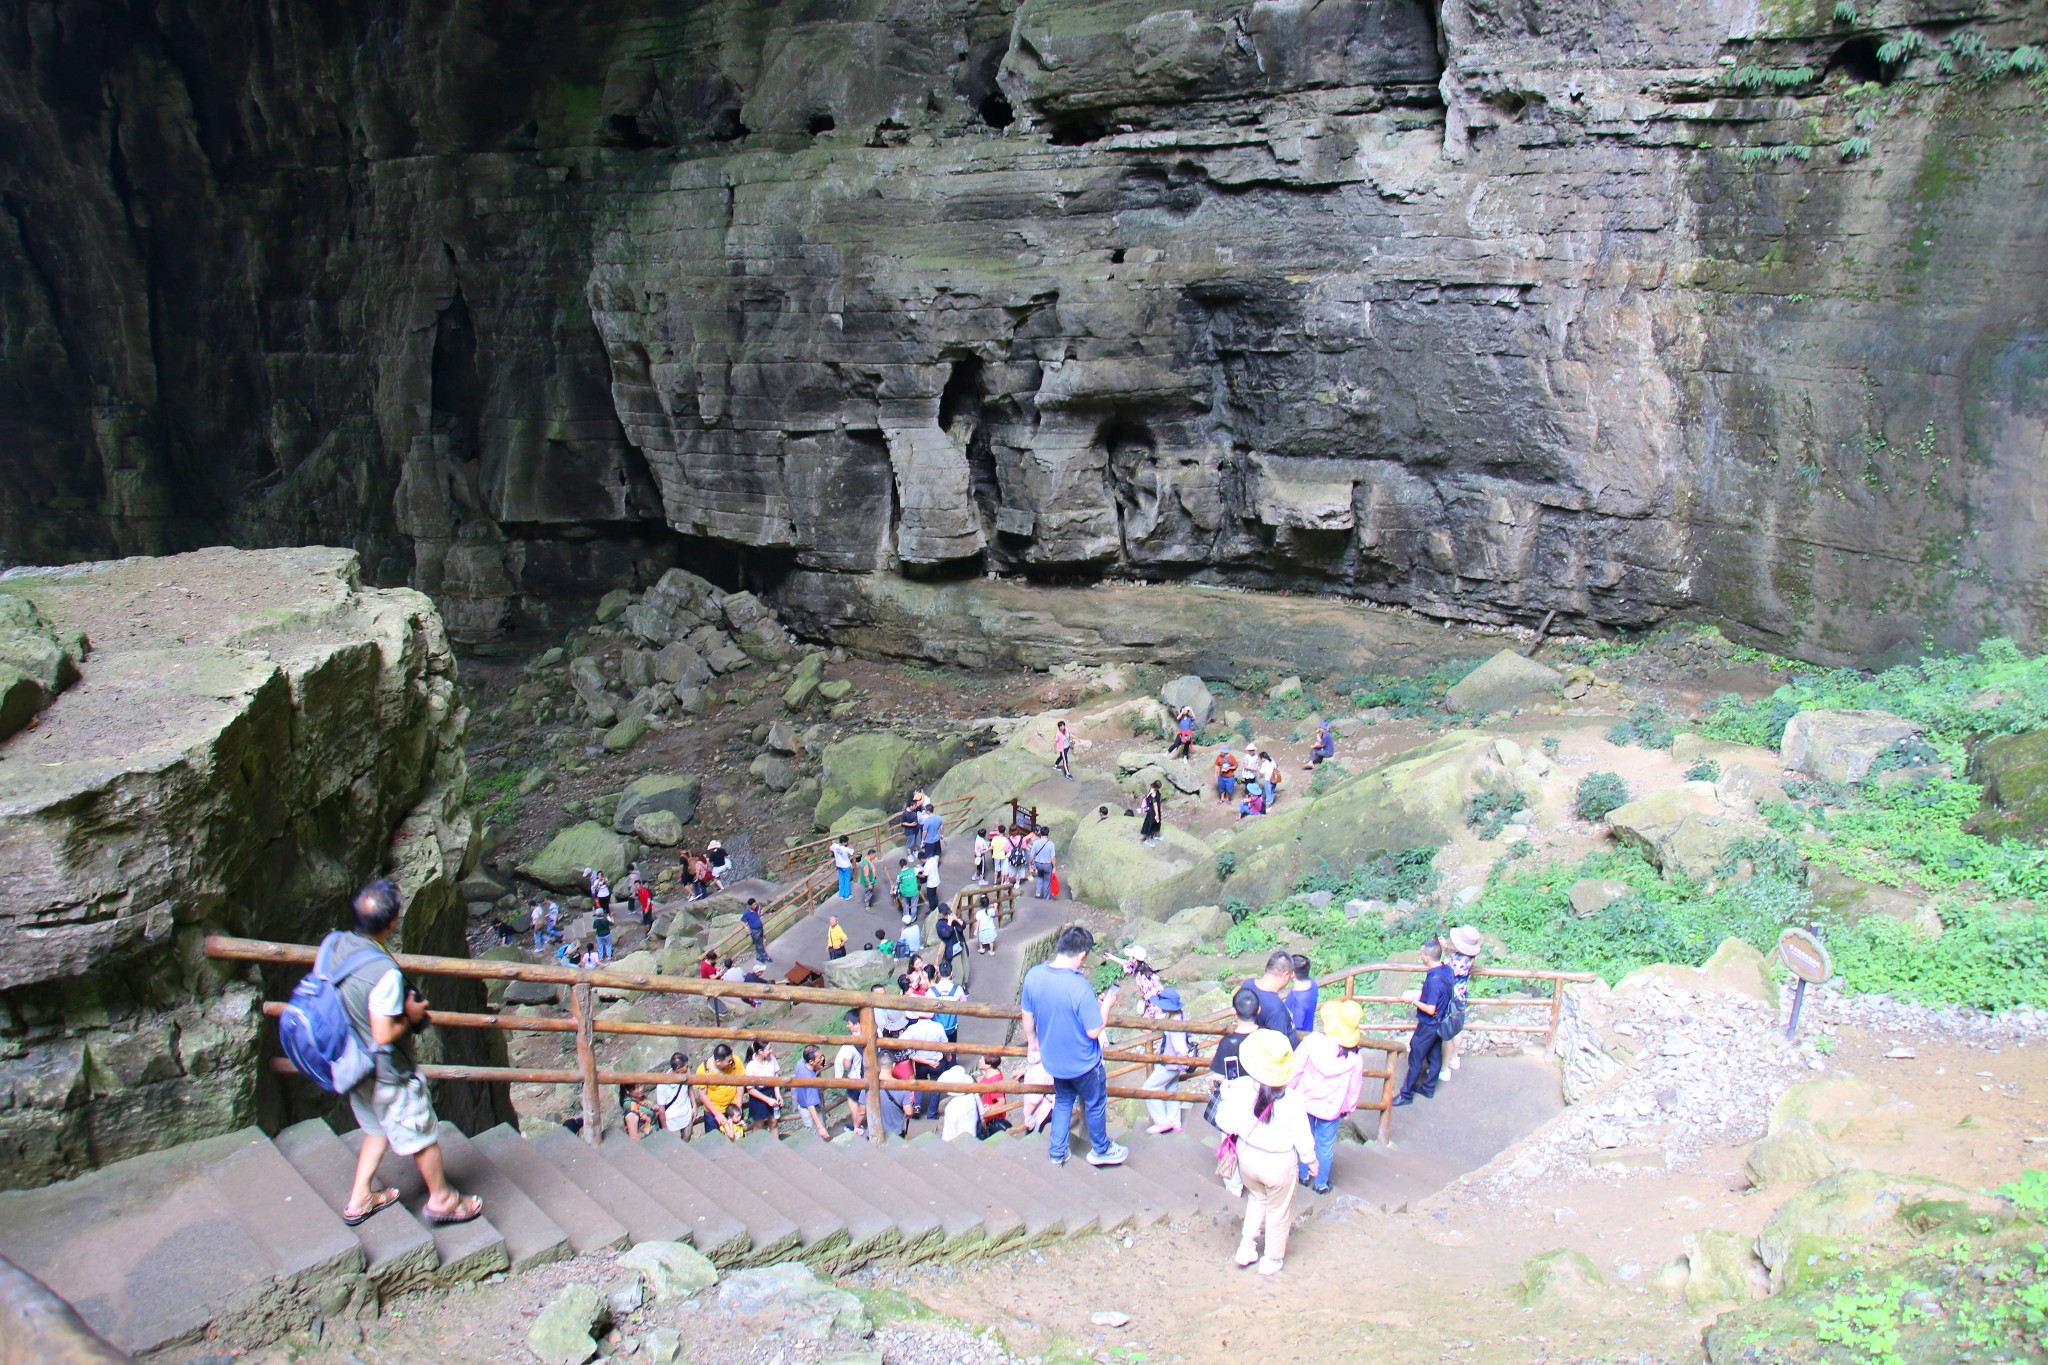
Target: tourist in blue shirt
[751, 918]
[810, 1101]
[1063, 1033]
[928, 828]
[1303, 997]
[1425, 1047]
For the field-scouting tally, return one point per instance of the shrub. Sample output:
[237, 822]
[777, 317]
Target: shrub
[1238, 908]
[1406, 875]
[1648, 725]
[1488, 812]
[1706, 770]
[1226, 863]
[1552, 745]
[1600, 795]
[1246, 937]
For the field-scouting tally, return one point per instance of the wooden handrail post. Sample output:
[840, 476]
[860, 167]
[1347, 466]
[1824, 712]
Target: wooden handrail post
[1556, 1009]
[586, 1062]
[1388, 1090]
[871, 1063]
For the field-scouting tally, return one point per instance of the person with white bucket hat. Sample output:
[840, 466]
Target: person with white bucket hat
[1461, 952]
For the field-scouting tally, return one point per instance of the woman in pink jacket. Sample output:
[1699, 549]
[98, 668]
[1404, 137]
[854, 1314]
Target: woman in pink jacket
[1327, 1082]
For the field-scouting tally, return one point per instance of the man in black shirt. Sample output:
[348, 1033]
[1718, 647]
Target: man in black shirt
[1246, 1005]
[1272, 986]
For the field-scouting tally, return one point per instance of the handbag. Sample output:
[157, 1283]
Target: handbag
[1054, 886]
[1226, 1157]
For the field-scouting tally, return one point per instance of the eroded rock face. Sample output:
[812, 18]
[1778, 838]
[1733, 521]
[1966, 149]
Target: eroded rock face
[252, 736]
[1486, 310]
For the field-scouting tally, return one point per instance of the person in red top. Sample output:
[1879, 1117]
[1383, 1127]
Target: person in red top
[707, 967]
[992, 1101]
[645, 895]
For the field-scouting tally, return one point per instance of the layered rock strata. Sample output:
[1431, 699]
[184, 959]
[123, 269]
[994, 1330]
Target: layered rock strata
[1610, 310]
[253, 734]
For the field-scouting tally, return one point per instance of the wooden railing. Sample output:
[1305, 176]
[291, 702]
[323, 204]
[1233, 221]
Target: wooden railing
[806, 857]
[592, 1078]
[1121, 1059]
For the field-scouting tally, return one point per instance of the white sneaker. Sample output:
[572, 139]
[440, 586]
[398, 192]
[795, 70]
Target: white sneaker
[1247, 1256]
[1269, 1267]
[1113, 1157]
[1454, 1063]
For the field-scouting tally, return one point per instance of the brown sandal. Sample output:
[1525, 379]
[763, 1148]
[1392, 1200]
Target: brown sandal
[468, 1208]
[379, 1201]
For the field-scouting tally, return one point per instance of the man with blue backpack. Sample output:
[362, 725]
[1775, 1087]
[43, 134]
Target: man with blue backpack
[349, 1029]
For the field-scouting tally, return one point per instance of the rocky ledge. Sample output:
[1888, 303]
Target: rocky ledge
[251, 734]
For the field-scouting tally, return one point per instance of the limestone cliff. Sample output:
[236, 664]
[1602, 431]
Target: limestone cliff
[1489, 307]
[252, 735]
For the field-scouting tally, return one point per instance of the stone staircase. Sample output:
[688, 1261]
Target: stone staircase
[243, 1232]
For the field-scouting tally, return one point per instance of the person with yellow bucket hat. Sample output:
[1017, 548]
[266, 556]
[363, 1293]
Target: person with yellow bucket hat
[1327, 1080]
[1267, 1135]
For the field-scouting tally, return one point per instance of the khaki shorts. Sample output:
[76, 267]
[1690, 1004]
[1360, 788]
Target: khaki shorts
[400, 1111]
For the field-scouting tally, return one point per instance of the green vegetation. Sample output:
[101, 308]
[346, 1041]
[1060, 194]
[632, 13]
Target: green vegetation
[1552, 745]
[1488, 812]
[1757, 77]
[502, 788]
[1845, 11]
[1987, 957]
[1226, 863]
[1995, 689]
[1648, 725]
[1600, 795]
[1705, 770]
[1406, 697]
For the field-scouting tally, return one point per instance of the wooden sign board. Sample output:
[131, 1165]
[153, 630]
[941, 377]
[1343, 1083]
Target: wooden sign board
[1805, 956]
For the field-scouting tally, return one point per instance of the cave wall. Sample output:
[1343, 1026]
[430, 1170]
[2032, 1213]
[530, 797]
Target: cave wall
[254, 735]
[1487, 308]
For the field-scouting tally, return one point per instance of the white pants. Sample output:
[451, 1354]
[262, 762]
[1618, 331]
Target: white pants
[1165, 1113]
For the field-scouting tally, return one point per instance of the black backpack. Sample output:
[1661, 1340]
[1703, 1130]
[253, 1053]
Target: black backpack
[1450, 1017]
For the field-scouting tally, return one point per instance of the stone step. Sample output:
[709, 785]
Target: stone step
[1183, 1165]
[398, 1248]
[1003, 1224]
[725, 1178]
[285, 1215]
[923, 1227]
[532, 1238]
[870, 1230]
[718, 1231]
[644, 1215]
[1022, 1161]
[821, 1234]
[582, 1219]
[152, 1249]
[468, 1251]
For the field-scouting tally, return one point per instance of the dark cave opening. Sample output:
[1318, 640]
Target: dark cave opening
[820, 123]
[1076, 129]
[975, 82]
[1857, 60]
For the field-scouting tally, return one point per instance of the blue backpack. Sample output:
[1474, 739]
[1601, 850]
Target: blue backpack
[314, 1032]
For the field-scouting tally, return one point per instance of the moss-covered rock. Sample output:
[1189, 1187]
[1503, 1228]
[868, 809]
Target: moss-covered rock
[875, 771]
[1721, 1268]
[1563, 1278]
[1105, 863]
[1415, 800]
[676, 793]
[561, 864]
[2014, 771]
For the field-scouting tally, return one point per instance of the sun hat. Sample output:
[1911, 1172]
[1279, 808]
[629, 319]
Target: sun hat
[1134, 953]
[1465, 939]
[1341, 1019]
[1267, 1057]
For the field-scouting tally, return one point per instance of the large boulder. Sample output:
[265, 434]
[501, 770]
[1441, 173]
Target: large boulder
[1209, 923]
[875, 770]
[1792, 1154]
[858, 971]
[1682, 830]
[1806, 1239]
[626, 733]
[2014, 771]
[1189, 690]
[586, 679]
[657, 827]
[1721, 1267]
[37, 661]
[1506, 680]
[1137, 769]
[678, 664]
[994, 778]
[1840, 746]
[675, 793]
[1104, 861]
[1415, 800]
[560, 864]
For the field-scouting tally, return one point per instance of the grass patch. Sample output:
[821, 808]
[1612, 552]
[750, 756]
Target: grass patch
[1406, 696]
[501, 787]
[1488, 812]
[1987, 957]
[1649, 725]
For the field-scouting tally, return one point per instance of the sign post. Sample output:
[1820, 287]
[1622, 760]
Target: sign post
[1806, 957]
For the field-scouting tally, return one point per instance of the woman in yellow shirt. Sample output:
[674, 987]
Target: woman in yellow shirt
[719, 1098]
[835, 939]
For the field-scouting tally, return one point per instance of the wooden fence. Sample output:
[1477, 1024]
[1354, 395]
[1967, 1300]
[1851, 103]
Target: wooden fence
[887, 834]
